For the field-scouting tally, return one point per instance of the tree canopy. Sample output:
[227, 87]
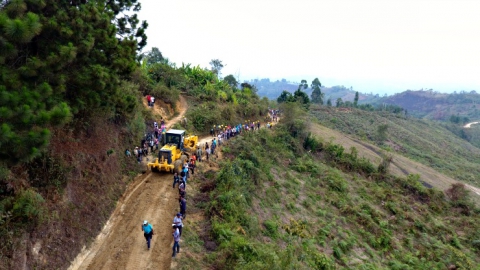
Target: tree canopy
[154, 56]
[217, 66]
[285, 96]
[317, 95]
[61, 59]
[230, 79]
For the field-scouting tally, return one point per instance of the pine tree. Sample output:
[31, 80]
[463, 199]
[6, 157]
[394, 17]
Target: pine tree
[355, 101]
[60, 59]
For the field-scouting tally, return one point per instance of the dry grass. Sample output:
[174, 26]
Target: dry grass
[401, 166]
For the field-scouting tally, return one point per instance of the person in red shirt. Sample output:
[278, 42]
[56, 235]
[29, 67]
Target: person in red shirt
[149, 100]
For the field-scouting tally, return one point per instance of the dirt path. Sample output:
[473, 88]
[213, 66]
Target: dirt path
[401, 166]
[121, 245]
[469, 125]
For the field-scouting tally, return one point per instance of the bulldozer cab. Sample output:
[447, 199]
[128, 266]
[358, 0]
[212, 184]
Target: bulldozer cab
[165, 154]
[175, 136]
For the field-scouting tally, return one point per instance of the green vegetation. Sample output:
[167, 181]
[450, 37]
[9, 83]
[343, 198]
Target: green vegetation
[71, 103]
[317, 95]
[66, 69]
[427, 142]
[284, 199]
[433, 105]
[54, 66]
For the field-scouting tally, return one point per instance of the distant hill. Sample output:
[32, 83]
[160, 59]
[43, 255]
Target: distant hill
[427, 104]
[428, 142]
[273, 89]
[437, 106]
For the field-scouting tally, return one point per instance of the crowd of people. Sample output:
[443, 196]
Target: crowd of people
[220, 134]
[150, 142]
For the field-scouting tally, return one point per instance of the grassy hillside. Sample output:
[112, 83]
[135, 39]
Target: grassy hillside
[283, 199]
[427, 142]
[438, 106]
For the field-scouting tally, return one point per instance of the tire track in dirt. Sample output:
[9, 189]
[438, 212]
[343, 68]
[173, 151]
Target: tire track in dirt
[121, 244]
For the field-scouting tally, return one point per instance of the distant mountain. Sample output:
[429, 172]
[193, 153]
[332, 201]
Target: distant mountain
[434, 105]
[273, 89]
[427, 104]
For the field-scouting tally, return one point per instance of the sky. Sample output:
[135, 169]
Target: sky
[376, 46]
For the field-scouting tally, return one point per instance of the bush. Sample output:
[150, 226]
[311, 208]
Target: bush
[169, 95]
[457, 192]
[271, 228]
[28, 206]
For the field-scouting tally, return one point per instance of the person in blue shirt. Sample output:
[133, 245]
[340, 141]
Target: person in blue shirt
[183, 206]
[147, 232]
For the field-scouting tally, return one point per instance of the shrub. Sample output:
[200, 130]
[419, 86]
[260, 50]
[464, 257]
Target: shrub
[28, 205]
[336, 182]
[169, 95]
[457, 192]
[271, 228]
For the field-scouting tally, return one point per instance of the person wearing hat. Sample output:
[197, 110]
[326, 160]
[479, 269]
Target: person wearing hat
[177, 222]
[147, 232]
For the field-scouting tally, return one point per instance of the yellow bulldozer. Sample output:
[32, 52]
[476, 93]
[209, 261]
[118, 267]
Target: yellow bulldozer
[175, 152]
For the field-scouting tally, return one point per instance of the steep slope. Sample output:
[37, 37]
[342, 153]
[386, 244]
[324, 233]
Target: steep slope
[400, 166]
[283, 199]
[121, 245]
[423, 141]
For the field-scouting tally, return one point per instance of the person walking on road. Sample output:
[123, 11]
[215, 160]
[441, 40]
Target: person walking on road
[176, 179]
[185, 170]
[181, 189]
[207, 150]
[147, 232]
[199, 154]
[183, 206]
[191, 165]
[177, 221]
[176, 241]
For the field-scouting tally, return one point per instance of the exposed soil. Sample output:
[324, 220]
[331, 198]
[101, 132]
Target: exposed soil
[121, 244]
[469, 125]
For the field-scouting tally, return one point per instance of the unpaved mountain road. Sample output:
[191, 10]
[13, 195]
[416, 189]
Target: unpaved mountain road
[469, 125]
[121, 244]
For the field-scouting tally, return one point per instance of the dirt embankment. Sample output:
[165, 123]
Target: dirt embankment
[121, 245]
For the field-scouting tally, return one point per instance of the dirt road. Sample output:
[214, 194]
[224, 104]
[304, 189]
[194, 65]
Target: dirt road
[121, 244]
[469, 125]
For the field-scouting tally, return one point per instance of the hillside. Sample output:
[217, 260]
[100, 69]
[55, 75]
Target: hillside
[324, 188]
[437, 106]
[284, 199]
[426, 104]
[273, 89]
[400, 165]
[427, 142]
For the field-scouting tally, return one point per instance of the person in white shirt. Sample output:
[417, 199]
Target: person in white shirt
[176, 241]
[177, 221]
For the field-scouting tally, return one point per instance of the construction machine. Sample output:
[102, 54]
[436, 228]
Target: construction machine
[175, 152]
[190, 143]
